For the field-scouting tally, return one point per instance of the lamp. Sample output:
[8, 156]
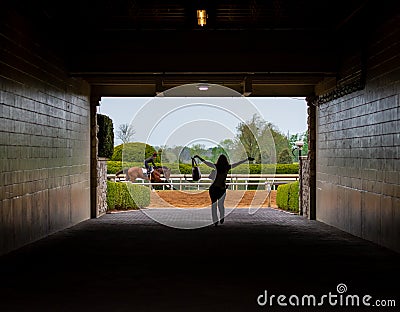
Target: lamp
[299, 145]
[202, 87]
[201, 17]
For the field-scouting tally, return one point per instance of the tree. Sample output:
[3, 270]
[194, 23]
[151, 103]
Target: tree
[247, 135]
[184, 155]
[105, 136]
[285, 157]
[136, 151]
[198, 149]
[299, 137]
[228, 145]
[125, 133]
[216, 151]
[261, 140]
[305, 146]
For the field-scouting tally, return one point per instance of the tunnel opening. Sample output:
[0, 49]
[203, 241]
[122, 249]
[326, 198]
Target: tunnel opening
[186, 121]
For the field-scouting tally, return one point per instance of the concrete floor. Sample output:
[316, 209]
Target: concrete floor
[128, 262]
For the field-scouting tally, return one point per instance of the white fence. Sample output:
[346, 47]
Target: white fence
[234, 181]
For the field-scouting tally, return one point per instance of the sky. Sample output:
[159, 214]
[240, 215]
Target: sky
[173, 121]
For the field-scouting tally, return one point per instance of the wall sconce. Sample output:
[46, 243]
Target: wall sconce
[201, 17]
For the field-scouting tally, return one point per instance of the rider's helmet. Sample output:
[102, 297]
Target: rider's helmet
[155, 154]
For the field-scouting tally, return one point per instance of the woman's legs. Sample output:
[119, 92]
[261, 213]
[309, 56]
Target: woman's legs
[214, 212]
[221, 207]
[217, 196]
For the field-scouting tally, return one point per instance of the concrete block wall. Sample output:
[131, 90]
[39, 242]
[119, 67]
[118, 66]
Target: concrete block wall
[358, 149]
[44, 139]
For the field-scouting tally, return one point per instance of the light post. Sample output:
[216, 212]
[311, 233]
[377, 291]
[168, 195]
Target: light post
[268, 185]
[299, 146]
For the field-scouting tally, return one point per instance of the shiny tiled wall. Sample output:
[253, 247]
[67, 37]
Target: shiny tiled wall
[44, 141]
[358, 150]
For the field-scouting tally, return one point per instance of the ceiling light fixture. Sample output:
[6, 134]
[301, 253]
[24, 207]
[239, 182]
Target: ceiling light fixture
[201, 17]
[202, 88]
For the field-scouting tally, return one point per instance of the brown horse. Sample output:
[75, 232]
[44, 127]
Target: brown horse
[134, 173]
[164, 171]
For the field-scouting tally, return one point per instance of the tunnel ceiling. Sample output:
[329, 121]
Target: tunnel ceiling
[259, 48]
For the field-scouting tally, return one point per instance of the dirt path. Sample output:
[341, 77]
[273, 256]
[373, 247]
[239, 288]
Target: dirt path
[200, 199]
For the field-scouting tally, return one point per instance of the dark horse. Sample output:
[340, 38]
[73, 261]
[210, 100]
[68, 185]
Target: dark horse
[134, 173]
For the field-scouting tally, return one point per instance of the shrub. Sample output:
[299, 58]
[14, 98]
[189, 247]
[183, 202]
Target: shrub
[132, 152]
[140, 194]
[111, 195]
[294, 196]
[125, 196]
[246, 168]
[105, 136]
[187, 169]
[285, 157]
[287, 196]
[287, 168]
[282, 196]
[267, 168]
[115, 166]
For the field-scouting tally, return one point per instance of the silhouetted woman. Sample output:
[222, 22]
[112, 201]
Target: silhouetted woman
[217, 189]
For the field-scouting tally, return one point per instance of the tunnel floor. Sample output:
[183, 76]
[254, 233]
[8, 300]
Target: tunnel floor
[128, 262]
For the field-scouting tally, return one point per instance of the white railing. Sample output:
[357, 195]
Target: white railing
[184, 181]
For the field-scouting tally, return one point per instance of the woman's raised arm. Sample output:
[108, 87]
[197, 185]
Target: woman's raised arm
[241, 162]
[208, 163]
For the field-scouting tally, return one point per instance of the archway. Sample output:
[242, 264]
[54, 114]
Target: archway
[172, 121]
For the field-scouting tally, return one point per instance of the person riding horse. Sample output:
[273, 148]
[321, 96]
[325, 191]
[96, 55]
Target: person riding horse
[149, 161]
[155, 176]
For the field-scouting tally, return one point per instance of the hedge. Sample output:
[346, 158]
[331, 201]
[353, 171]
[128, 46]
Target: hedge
[115, 166]
[294, 197]
[123, 196]
[105, 135]
[133, 152]
[267, 168]
[287, 196]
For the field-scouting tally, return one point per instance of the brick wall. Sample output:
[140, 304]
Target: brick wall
[44, 139]
[358, 149]
[101, 202]
[305, 186]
